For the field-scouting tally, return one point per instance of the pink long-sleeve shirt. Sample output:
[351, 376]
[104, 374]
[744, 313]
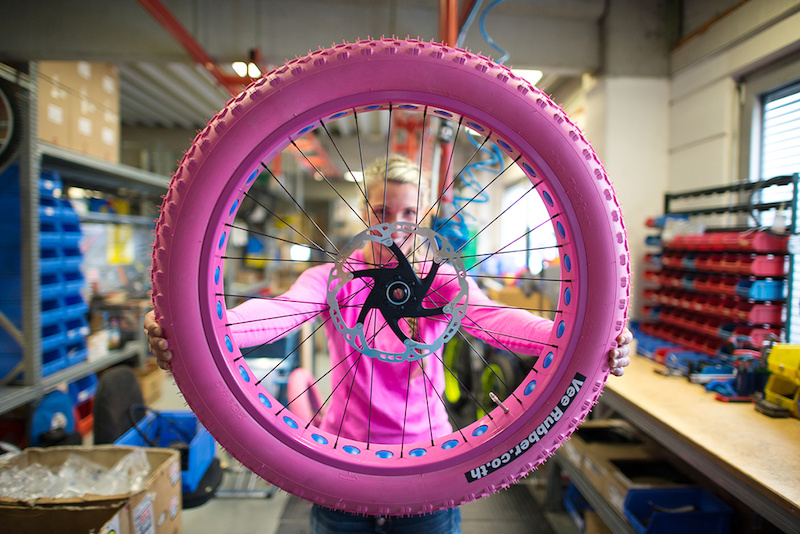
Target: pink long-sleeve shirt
[376, 410]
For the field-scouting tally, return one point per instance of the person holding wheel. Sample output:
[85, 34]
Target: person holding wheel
[394, 396]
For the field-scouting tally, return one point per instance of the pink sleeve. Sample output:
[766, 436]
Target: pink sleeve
[259, 321]
[504, 327]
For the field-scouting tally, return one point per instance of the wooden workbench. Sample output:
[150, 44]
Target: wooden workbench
[754, 457]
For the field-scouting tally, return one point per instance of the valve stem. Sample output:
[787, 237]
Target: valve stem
[497, 401]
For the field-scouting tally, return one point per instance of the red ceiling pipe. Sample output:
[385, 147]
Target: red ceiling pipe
[448, 21]
[160, 12]
[448, 34]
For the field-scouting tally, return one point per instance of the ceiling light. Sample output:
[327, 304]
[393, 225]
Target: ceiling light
[240, 68]
[533, 76]
[354, 176]
[253, 71]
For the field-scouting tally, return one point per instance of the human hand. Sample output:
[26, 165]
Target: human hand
[155, 340]
[618, 358]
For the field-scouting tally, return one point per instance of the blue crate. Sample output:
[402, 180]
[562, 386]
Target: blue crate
[682, 360]
[164, 428]
[52, 311]
[9, 207]
[760, 289]
[76, 328]
[50, 259]
[53, 360]
[73, 306]
[576, 506]
[71, 233]
[53, 336]
[647, 344]
[68, 213]
[75, 352]
[71, 257]
[708, 515]
[49, 232]
[83, 389]
[49, 209]
[12, 309]
[11, 287]
[73, 281]
[51, 286]
[50, 185]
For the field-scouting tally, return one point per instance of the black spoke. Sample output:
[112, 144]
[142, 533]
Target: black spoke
[349, 393]
[488, 366]
[330, 184]
[500, 252]
[438, 202]
[313, 246]
[308, 239]
[301, 208]
[295, 349]
[363, 191]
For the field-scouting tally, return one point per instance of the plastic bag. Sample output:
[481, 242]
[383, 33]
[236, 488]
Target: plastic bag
[76, 477]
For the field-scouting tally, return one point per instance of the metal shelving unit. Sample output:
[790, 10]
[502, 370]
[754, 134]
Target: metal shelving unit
[76, 169]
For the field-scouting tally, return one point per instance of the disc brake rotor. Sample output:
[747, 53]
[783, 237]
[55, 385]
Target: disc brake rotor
[400, 291]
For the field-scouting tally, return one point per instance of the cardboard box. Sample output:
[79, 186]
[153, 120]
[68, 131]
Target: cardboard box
[537, 303]
[78, 107]
[156, 509]
[594, 524]
[151, 381]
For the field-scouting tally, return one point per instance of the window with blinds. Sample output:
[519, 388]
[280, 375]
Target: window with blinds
[780, 156]
[780, 138]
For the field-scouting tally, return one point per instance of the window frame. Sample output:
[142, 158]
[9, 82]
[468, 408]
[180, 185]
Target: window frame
[752, 91]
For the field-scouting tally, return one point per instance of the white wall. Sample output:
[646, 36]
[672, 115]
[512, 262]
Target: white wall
[681, 132]
[704, 107]
[626, 120]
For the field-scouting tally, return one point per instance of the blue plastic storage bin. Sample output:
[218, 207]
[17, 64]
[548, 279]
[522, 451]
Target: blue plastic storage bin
[760, 289]
[83, 389]
[50, 185]
[576, 506]
[53, 336]
[75, 352]
[161, 429]
[73, 281]
[681, 360]
[657, 511]
[51, 286]
[53, 360]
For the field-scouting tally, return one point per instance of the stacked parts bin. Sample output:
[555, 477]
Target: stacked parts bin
[709, 292]
[62, 306]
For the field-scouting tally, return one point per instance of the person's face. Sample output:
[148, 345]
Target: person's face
[399, 204]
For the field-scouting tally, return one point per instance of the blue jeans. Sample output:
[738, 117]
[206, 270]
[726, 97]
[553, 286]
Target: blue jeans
[327, 521]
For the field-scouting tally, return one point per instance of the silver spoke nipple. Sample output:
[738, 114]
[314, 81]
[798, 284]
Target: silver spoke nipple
[497, 401]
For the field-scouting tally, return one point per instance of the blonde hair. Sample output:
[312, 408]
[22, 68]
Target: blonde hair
[400, 170]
